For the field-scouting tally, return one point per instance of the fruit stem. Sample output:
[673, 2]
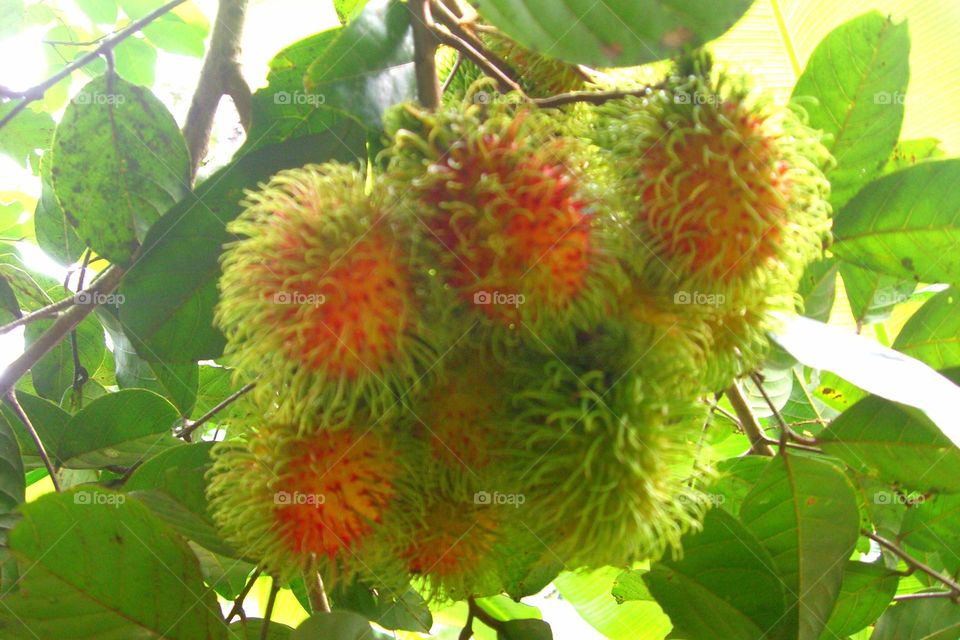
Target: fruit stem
[748, 422]
[424, 54]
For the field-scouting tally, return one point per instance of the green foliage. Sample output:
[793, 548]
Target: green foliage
[129, 549]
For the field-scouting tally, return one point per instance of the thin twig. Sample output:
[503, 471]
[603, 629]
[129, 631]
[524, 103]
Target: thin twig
[188, 430]
[265, 629]
[594, 97]
[425, 54]
[454, 36]
[913, 563]
[793, 445]
[39, 314]
[106, 283]
[467, 632]
[758, 381]
[36, 93]
[41, 451]
[220, 76]
[457, 62]
[315, 591]
[238, 603]
[748, 422]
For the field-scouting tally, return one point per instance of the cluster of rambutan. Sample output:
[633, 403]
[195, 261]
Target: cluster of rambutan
[497, 346]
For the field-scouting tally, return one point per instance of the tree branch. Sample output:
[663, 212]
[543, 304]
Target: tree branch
[220, 76]
[748, 422]
[35, 93]
[594, 97]
[187, 431]
[58, 331]
[238, 603]
[315, 591]
[425, 54]
[914, 564]
[41, 451]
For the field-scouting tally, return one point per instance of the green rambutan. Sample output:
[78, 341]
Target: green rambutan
[319, 300]
[304, 503]
[593, 445]
[500, 199]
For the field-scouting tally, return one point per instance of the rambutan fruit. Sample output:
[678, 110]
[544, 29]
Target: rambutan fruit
[319, 300]
[594, 445]
[295, 503]
[462, 416]
[728, 192]
[727, 187]
[502, 201]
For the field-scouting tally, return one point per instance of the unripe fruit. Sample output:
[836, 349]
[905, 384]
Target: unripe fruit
[297, 503]
[319, 300]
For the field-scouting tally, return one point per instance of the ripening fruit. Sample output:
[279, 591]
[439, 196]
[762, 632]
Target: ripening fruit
[303, 503]
[594, 448]
[461, 416]
[725, 186]
[452, 542]
[729, 194]
[502, 202]
[318, 299]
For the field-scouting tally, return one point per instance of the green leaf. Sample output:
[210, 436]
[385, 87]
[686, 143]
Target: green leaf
[172, 484]
[866, 591]
[99, 11]
[589, 593]
[524, 630]
[47, 418]
[369, 66]
[11, 17]
[873, 295]
[176, 382]
[54, 234]
[94, 565]
[389, 609]
[170, 293]
[135, 59]
[905, 224]
[348, 10]
[933, 525]
[909, 152]
[736, 478]
[283, 110]
[724, 588]
[250, 629]
[226, 575]
[818, 288]
[933, 333]
[12, 479]
[615, 33]
[858, 77]
[924, 619]
[341, 625]
[119, 428]
[54, 372]
[629, 585]
[871, 367]
[172, 33]
[119, 162]
[216, 384]
[894, 442]
[527, 567]
[804, 512]
[22, 137]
